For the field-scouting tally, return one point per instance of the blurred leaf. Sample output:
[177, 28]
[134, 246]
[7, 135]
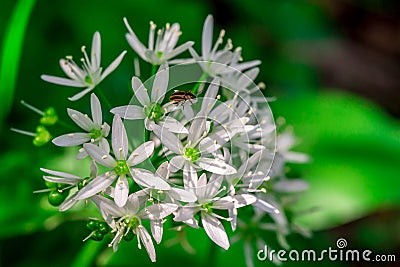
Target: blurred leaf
[355, 149]
[11, 52]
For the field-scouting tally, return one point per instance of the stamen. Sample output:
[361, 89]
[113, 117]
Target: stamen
[261, 85]
[34, 109]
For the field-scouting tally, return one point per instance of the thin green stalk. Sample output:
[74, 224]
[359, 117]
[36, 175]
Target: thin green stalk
[11, 52]
[202, 78]
[104, 98]
[153, 70]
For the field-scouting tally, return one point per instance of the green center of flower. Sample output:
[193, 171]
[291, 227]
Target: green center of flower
[121, 168]
[132, 222]
[95, 133]
[207, 207]
[192, 154]
[88, 79]
[154, 112]
[159, 54]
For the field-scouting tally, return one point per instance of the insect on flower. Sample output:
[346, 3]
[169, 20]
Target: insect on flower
[180, 97]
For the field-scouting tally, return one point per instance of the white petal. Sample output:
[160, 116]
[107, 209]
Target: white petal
[143, 152]
[72, 139]
[185, 213]
[113, 65]
[216, 166]
[148, 244]
[176, 163]
[174, 126]
[209, 99]
[162, 171]
[140, 91]
[265, 206]
[197, 129]
[121, 191]
[119, 139]
[244, 200]
[201, 186]
[68, 203]
[168, 139]
[148, 180]
[134, 41]
[62, 180]
[189, 177]
[97, 115]
[61, 174]
[215, 230]
[182, 195]
[179, 50]
[99, 155]
[213, 186]
[97, 185]
[107, 207]
[66, 67]
[96, 51]
[62, 81]
[80, 94]
[207, 36]
[129, 112]
[160, 84]
[81, 120]
[157, 211]
[156, 230]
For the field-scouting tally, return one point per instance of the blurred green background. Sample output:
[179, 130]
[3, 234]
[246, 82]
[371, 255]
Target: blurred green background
[333, 66]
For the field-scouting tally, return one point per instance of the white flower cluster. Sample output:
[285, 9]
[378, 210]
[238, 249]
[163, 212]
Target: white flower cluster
[206, 152]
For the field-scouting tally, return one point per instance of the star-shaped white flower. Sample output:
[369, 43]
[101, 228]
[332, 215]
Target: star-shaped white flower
[196, 153]
[151, 110]
[128, 219]
[215, 62]
[122, 166]
[96, 130]
[71, 180]
[163, 49]
[87, 76]
[208, 201]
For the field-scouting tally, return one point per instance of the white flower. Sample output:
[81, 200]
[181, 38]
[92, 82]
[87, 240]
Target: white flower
[171, 195]
[71, 180]
[163, 48]
[207, 201]
[196, 153]
[128, 219]
[96, 130]
[215, 62]
[151, 110]
[91, 73]
[121, 166]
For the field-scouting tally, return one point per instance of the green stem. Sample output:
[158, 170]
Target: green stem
[65, 124]
[202, 78]
[212, 255]
[104, 98]
[153, 70]
[146, 135]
